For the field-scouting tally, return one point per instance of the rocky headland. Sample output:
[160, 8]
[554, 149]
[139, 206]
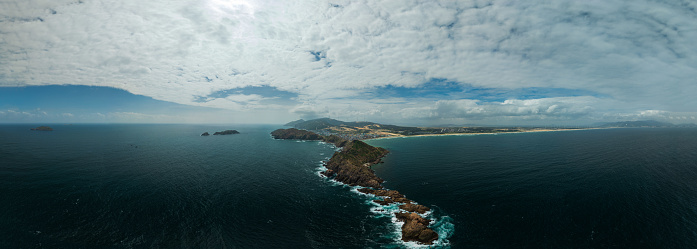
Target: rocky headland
[352, 166]
[42, 128]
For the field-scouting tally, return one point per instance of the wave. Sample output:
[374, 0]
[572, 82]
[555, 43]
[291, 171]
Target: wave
[441, 224]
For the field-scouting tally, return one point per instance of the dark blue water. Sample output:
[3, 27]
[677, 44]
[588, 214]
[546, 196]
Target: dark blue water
[164, 186]
[617, 188]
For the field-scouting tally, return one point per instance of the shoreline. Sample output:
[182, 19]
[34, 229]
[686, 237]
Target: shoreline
[483, 133]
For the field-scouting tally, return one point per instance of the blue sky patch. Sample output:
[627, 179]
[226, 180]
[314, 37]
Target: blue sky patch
[319, 55]
[275, 96]
[80, 99]
[444, 89]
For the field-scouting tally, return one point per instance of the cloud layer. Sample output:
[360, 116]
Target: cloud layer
[330, 57]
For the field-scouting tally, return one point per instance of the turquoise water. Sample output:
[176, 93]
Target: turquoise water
[164, 186]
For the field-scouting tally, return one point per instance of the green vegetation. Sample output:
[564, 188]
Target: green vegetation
[358, 152]
[293, 133]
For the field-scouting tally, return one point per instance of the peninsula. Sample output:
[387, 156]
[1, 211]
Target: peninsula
[352, 166]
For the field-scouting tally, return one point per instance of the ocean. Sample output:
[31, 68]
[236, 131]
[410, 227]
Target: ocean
[611, 188]
[164, 186]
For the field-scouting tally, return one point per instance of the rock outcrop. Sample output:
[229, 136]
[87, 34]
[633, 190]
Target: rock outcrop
[336, 140]
[389, 196]
[411, 207]
[415, 228]
[392, 196]
[42, 128]
[205, 134]
[226, 132]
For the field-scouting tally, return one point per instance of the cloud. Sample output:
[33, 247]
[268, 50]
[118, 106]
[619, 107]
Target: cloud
[16, 115]
[23, 115]
[661, 115]
[639, 53]
[308, 112]
[532, 108]
[510, 111]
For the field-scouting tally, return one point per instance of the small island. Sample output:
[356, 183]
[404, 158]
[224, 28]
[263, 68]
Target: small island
[352, 166]
[226, 132]
[42, 128]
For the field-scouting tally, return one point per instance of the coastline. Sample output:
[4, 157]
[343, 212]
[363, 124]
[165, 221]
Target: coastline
[483, 133]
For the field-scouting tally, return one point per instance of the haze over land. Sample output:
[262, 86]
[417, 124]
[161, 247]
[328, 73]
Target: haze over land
[404, 63]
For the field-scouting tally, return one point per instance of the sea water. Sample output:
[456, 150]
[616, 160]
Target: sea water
[611, 188]
[165, 186]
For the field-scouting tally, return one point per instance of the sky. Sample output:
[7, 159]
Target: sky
[399, 62]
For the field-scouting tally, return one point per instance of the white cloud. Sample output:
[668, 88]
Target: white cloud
[464, 111]
[475, 111]
[661, 115]
[23, 114]
[15, 115]
[640, 53]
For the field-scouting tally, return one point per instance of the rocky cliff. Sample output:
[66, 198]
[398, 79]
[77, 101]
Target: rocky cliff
[352, 164]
